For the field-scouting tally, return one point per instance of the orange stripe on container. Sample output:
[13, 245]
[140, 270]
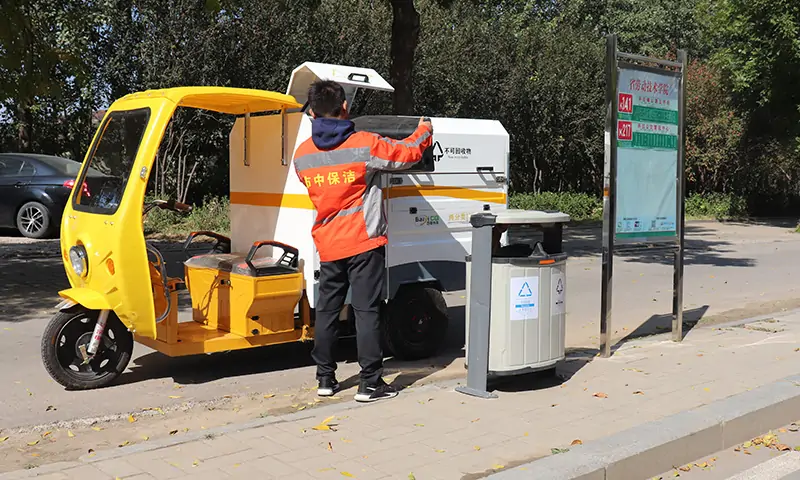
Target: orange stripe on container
[454, 192]
[288, 200]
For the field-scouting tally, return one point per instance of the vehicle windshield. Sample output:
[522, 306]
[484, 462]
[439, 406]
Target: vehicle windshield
[112, 156]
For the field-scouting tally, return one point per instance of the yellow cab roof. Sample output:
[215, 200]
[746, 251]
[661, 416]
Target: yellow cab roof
[234, 101]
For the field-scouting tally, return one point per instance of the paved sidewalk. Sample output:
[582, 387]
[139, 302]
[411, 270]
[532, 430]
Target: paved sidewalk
[435, 433]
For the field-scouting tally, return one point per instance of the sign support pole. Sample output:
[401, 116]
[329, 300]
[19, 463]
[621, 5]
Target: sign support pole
[677, 288]
[609, 193]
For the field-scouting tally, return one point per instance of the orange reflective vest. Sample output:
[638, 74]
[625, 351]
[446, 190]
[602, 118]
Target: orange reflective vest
[344, 185]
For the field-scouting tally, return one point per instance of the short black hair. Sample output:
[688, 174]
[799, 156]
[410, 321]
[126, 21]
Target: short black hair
[325, 98]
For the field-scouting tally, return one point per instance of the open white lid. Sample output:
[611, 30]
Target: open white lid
[529, 217]
[351, 78]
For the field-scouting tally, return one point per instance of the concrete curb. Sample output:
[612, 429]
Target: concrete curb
[655, 447]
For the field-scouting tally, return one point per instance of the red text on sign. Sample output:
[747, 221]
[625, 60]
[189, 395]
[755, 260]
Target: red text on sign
[625, 103]
[624, 130]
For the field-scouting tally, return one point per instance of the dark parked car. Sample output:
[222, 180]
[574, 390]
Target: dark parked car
[34, 190]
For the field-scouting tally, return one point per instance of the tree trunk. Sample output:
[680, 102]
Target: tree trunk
[405, 37]
[24, 119]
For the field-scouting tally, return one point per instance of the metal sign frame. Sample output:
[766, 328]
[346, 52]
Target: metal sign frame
[614, 61]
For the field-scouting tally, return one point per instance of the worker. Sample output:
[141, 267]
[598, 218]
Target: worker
[341, 169]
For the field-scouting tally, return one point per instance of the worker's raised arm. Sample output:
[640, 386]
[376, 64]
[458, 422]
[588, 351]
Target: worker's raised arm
[390, 154]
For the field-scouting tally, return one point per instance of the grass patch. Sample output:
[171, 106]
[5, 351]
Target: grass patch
[579, 206]
[213, 214]
[583, 207]
[717, 206]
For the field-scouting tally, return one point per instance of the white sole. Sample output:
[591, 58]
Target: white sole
[364, 398]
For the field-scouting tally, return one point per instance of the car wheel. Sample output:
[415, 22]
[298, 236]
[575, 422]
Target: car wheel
[415, 326]
[33, 220]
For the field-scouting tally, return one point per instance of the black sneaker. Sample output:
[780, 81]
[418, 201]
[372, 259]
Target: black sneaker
[327, 387]
[373, 393]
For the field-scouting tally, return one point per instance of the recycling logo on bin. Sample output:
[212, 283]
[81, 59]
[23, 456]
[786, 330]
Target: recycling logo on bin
[523, 304]
[559, 293]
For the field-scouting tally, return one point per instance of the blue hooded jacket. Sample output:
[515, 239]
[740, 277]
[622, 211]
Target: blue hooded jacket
[329, 133]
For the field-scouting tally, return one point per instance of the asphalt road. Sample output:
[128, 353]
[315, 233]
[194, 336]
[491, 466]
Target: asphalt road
[731, 270]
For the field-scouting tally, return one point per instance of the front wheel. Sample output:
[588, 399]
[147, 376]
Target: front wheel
[415, 324]
[61, 350]
[33, 220]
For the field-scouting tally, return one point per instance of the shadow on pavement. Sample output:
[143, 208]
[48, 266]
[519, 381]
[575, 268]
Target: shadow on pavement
[199, 369]
[702, 247]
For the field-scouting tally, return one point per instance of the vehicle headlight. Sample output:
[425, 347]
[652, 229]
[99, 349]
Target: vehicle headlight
[79, 260]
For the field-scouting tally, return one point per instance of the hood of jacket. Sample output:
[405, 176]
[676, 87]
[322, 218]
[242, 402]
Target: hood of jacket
[329, 133]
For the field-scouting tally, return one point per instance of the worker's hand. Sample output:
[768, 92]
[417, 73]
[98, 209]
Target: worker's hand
[426, 122]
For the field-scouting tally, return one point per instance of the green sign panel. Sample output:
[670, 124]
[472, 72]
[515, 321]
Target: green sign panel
[647, 155]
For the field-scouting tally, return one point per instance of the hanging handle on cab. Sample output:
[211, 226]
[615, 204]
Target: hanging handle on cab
[288, 259]
[358, 77]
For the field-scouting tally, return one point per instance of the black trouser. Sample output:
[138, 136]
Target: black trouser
[364, 273]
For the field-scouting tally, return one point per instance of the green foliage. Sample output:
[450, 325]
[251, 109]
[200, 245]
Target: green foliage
[535, 65]
[716, 206]
[579, 206]
[213, 214]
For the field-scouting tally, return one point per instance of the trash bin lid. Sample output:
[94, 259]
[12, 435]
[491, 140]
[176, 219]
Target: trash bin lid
[515, 216]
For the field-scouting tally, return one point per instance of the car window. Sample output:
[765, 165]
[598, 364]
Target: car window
[113, 156]
[27, 169]
[11, 167]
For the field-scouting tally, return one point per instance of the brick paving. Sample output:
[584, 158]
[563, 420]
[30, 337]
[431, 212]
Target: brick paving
[435, 433]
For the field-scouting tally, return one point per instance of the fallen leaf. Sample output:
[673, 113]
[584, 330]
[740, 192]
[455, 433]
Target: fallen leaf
[419, 424]
[554, 405]
[685, 468]
[174, 396]
[439, 450]
[30, 444]
[91, 451]
[701, 465]
[330, 447]
[131, 419]
[97, 429]
[737, 449]
[345, 440]
[176, 386]
[347, 474]
[322, 427]
[3, 439]
[498, 467]
[576, 442]
[782, 430]
[196, 463]
[185, 430]
[328, 469]
[638, 392]
[125, 443]
[411, 476]
[783, 447]
[746, 452]
[226, 396]
[45, 434]
[269, 395]
[70, 434]
[706, 389]
[301, 407]
[476, 448]
[50, 408]
[34, 454]
[173, 432]
[797, 448]
[600, 395]
[747, 444]
[145, 438]
[473, 421]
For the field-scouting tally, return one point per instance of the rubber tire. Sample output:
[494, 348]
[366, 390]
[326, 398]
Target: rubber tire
[50, 358]
[398, 312]
[46, 227]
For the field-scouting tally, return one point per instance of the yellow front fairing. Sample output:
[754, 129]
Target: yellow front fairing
[117, 258]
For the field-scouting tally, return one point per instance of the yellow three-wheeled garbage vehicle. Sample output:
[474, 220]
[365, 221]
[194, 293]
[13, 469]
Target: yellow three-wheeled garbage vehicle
[120, 291]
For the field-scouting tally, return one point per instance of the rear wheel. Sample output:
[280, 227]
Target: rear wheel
[33, 220]
[415, 323]
[61, 350]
